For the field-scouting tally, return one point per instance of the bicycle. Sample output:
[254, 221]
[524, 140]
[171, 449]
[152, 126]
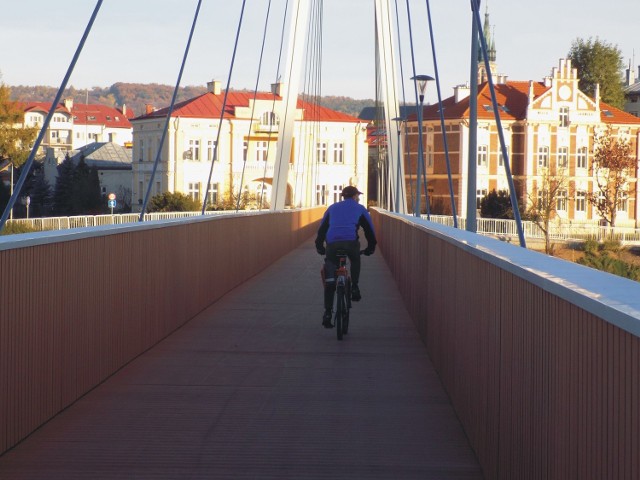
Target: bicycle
[343, 295]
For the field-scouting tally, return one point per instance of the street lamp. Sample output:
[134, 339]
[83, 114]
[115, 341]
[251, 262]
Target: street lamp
[421, 87]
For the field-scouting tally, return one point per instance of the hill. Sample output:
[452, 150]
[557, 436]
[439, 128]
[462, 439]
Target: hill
[137, 95]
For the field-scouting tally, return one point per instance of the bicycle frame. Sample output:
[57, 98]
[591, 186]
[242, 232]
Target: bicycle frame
[343, 296]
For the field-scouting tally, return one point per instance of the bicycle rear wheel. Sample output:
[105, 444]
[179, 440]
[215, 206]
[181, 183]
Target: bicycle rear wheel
[340, 311]
[345, 316]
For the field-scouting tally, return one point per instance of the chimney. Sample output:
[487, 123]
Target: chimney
[276, 88]
[149, 108]
[547, 81]
[124, 109]
[461, 92]
[214, 87]
[68, 103]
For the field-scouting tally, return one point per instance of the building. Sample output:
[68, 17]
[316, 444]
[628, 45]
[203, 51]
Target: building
[329, 149]
[112, 161]
[548, 126]
[632, 92]
[74, 125]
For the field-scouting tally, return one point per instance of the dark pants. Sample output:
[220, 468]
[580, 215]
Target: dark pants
[352, 249]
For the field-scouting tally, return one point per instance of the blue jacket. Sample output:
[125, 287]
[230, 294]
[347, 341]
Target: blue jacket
[341, 222]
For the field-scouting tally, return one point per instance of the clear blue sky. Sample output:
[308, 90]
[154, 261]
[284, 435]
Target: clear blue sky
[142, 40]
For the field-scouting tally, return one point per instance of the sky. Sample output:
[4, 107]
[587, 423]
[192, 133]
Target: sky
[143, 41]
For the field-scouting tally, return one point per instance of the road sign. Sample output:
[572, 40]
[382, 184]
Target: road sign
[111, 203]
[112, 196]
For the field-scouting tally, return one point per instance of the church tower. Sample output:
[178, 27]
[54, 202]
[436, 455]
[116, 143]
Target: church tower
[491, 51]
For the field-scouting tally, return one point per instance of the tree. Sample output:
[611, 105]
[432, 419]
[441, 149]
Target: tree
[544, 202]
[612, 165]
[15, 139]
[39, 190]
[63, 191]
[599, 62]
[173, 202]
[86, 196]
[496, 205]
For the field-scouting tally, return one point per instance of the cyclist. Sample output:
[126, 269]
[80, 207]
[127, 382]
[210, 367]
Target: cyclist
[339, 228]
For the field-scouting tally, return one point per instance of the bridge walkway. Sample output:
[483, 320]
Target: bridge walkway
[254, 387]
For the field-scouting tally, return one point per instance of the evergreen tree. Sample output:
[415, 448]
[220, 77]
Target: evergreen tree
[599, 62]
[63, 192]
[39, 190]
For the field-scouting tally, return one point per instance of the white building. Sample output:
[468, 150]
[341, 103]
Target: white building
[75, 125]
[329, 149]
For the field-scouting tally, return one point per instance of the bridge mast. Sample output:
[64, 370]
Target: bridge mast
[388, 83]
[297, 33]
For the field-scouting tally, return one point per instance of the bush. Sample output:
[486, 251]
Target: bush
[173, 202]
[591, 246]
[12, 228]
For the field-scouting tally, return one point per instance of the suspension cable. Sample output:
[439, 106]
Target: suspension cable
[253, 107]
[224, 106]
[420, 144]
[512, 192]
[169, 112]
[442, 125]
[404, 97]
[45, 126]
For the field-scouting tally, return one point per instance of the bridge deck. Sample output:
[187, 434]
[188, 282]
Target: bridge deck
[254, 387]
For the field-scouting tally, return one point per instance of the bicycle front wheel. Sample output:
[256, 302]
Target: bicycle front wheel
[340, 311]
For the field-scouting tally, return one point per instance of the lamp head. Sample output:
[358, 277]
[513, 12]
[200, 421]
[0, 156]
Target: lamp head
[422, 80]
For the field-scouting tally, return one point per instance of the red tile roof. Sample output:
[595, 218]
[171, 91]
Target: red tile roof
[209, 105]
[86, 114]
[512, 98]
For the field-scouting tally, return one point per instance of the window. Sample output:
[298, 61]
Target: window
[194, 150]
[429, 156]
[213, 194]
[581, 157]
[270, 119]
[623, 201]
[337, 191]
[321, 152]
[581, 201]
[141, 152]
[500, 157]
[543, 157]
[561, 201]
[112, 137]
[140, 192]
[321, 194]
[564, 116]
[194, 191]
[245, 150]
[482, 155]
[157, 188]
[338, 152]
[480, 194]
[211, 146]
[563, 157]
[261, 151]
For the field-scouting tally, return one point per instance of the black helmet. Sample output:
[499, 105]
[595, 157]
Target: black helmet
[350, 191]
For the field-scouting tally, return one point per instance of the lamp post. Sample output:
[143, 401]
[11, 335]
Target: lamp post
[421, 87]
[399, 121]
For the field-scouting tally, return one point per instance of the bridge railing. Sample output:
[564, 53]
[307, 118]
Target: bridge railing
[77, 305]
[541, 357]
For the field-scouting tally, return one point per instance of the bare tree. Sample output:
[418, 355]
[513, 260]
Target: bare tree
[546, 199]
[612, 167]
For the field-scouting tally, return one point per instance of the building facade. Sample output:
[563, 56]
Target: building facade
[329, 150]
[74, 125]
[632, 92]
[549, 128]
